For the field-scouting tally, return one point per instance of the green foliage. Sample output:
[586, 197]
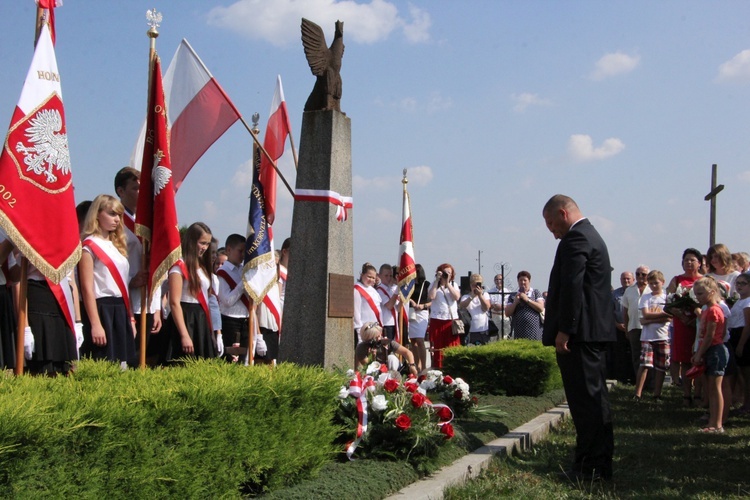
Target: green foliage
[206, 430]
[511, 367]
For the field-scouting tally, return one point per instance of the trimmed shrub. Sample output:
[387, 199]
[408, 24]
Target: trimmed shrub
[209, 429]
[510, 367]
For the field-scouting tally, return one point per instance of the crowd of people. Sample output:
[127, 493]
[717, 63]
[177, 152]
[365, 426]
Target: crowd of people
[695, 328]
[200, 311]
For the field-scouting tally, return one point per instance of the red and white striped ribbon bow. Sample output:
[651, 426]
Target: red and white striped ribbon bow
[342, 203]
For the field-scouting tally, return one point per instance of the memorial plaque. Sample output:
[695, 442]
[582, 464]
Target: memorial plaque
[340, 296]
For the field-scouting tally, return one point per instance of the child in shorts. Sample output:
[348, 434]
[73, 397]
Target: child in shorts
[655, 352]
[711, 351]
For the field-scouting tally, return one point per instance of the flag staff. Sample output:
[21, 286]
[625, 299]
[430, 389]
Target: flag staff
[153, 19]
[404, 182]
[263, 150]
[41, 18]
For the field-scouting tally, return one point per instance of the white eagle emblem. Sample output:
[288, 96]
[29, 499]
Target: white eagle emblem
[49, 148]
[159, 175]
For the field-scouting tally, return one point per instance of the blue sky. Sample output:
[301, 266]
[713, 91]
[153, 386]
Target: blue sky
[492, 106]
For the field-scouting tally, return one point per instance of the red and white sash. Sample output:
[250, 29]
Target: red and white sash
[201, 297]
[112, 268]
[232, 285]
[65, 301]
[129, 221]
[368, 299]
[271, 305]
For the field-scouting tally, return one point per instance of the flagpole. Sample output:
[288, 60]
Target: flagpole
[22, 316]
[39, 22]
[257, 141]
[294, 150]
[153, 19]
[251, 320]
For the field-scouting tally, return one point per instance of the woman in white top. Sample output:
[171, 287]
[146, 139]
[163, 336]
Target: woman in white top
[189, 322]
[366, 300]
[108, 329]
[720, 267]
[444, 295]
[477, 303]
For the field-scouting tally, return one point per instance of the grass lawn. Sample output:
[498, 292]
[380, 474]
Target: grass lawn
[659, 453]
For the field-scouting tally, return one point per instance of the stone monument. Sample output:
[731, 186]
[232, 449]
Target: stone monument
[318, 305]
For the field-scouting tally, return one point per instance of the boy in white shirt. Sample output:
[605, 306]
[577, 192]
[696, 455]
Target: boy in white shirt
[655, 351]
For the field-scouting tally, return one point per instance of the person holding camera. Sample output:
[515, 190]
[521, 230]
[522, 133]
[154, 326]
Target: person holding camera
[525, 308]
[382, 349]
[444, 294]
[477, 303]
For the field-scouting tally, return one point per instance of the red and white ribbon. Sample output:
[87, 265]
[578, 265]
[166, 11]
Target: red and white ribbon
[358, 388]
[342, 203]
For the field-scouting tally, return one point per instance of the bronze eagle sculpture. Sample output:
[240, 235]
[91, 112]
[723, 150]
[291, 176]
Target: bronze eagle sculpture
[325, 63]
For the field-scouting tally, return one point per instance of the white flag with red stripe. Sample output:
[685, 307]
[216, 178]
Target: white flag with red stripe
[407, 271]
[199, 112]
[278, 129]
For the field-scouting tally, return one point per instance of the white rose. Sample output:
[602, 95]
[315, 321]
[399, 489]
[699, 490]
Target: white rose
[373, 368]
[379, 403]
[427, 385]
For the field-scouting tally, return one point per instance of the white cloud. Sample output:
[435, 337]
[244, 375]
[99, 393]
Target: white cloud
[737, 69]
[602, 224]
[614, 64]
[581, 148]
[527, 99]
[419, 176]
[744, 176]
[384, 215]
[243, 176]
[278, 22]
[437, 102]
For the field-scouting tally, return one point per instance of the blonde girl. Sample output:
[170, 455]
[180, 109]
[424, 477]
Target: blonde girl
[103, 270]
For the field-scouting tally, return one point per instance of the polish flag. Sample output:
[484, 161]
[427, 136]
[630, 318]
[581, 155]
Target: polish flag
[278, 129]
[407, 271]
[37, 205]
[198, 108]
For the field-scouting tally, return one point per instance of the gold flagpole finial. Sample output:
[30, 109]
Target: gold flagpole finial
[405, 181]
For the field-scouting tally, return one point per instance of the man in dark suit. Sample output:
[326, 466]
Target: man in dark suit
[578, 322]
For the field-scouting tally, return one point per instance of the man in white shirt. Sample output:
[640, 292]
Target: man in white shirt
[631, 313]
[498, 297]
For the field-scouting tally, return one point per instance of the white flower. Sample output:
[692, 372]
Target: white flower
[383, 377]
[427, 385]
[373, 368]
[379, 403]
[434, 375]
[692, 295]
[350, 374]
[343, 392]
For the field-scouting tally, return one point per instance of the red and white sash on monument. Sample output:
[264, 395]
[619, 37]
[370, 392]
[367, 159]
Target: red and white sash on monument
[201, 297]
[112, 268]
[370, 302]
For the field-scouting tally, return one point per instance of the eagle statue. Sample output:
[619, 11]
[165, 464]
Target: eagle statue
[325, 63]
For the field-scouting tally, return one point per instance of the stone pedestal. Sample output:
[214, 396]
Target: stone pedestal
[318, 306]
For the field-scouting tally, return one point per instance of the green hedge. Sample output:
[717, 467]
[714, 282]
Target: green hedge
[206, 430]
[510, 367]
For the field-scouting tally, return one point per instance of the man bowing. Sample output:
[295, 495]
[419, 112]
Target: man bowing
[578, 323]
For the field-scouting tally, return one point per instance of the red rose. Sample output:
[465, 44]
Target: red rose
[458, 394]
[447, 429]
[390, 385]
[448, 380]
[383, 368]
[474, 400]
[421, 378]
[403, 422]
[417, 400]
[444, 413]
[411, 386]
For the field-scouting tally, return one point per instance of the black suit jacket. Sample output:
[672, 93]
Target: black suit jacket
[579, 300]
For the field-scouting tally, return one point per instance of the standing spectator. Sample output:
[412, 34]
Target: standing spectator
[711, 351]
[739, 325]
[632, 314]
[366, 300]
[683, 324]
[654, 337]
[419, 314]
[621, 366]
[444, 295]
[720, 267]
[525, 308]
[477, 303]
[234, 303]
[388, 291]
[579, 324]
[498, 296]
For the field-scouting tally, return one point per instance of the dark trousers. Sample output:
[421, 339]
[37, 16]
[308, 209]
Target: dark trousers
[634, 337]
[583, 372]
[623, 369]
